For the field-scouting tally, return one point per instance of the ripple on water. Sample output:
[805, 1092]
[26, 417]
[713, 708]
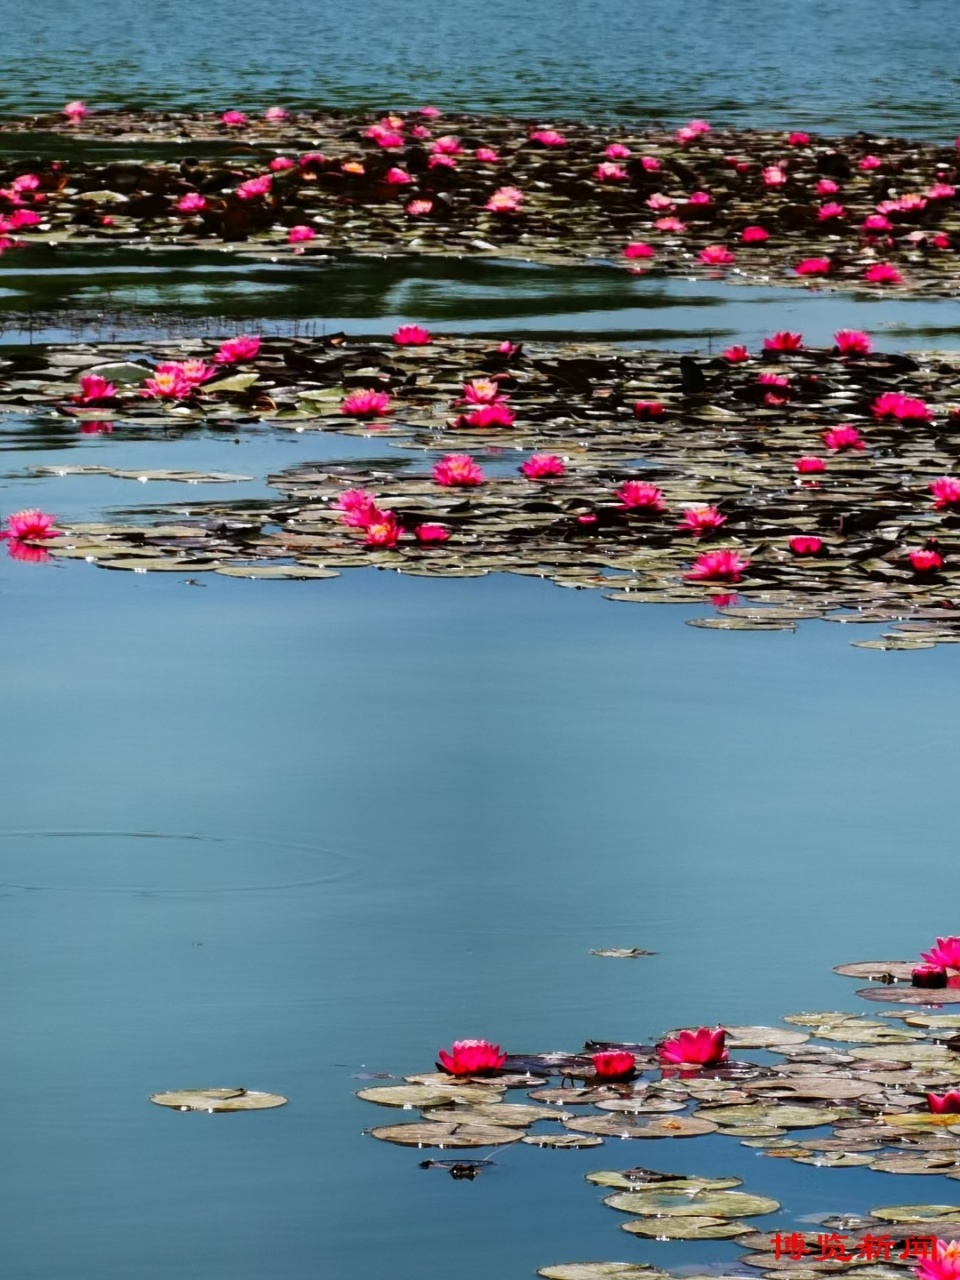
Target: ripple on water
[158, 863]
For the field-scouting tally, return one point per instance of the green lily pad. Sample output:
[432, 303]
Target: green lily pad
[915, 1212]
[691, 1186]
[562, 1140]
[680, 1203]
[600, 1271]
[672, 1127]
[702, 1228]
[412, 1095]
[432, 1134]
[218, 1100]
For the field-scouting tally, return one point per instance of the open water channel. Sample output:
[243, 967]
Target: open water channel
[286, 835]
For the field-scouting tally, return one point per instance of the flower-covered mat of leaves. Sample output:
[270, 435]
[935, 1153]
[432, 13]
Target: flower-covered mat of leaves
[862, 211]
[832, 1090]
[815, 483]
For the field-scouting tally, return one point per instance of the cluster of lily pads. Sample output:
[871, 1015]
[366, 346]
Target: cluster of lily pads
[877, 1094]
[861, 211]
[816, 481]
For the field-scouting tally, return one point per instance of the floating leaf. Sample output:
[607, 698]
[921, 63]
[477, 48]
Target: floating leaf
[432, 1134]
[600, 1271]
[615, 1127]
[703, 1228]
[413, 1095]
[562, 1140]
[218, 1100]
[672, 1203]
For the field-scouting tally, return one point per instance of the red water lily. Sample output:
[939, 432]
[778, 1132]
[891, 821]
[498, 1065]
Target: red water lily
[944, 1103]
[471, 1058]
[613, 1065]
[701, 1048]
[928, 975]
[718, 566]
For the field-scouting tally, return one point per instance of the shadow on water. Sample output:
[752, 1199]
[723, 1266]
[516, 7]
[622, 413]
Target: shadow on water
[114, 294]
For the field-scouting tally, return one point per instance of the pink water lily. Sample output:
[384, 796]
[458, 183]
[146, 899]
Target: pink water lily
[276, 113]
[432, 533]
[494, 414]
[412, 335]
[805, 545]
[30, 526]
[482, 391]
[882, 273]
[843, 437]
[95, 390]
[945, 953]
[718, 566]
[458, 470]
[754, 235]
[943, 1264]
[852, 342]
[543, 466]
[419, 208]
[736, 354]
[814, 267]
[487, 155]
[870, 162]
[548, 138]
[784, 341]
[894, 404]
[944, 1103]
[255, 187]
[192, 202]
[701, 1048]
[616, 151]
[607, 171]
[367, 403]
[75, 111]
[647, 410]
[359, 508]
[505, 200]
[279, 164]
[826, 187]
[638, 249]
[928, 975]
[383, 530]
[701, 520]
[831, 210]
[639, 495]
[233, 119]
[798, 138]
[238, 350]
[925, 559]
[471, 1058]
[613, 1065]
[301, 234]
[448, 145]
[167, 384]
[716, 255]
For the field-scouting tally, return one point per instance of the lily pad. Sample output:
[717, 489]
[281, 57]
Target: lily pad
[615, 1127]
[413, 1095]
[562, 1140]
[700, 1228]
[432, 1134]
[681, 1203]
[218, 1100]
[600, 1271]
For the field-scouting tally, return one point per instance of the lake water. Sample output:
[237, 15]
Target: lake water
[285, 835]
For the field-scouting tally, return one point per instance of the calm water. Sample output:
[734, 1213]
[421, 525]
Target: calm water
[882, 65]
[393, 811]
[282, 835]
